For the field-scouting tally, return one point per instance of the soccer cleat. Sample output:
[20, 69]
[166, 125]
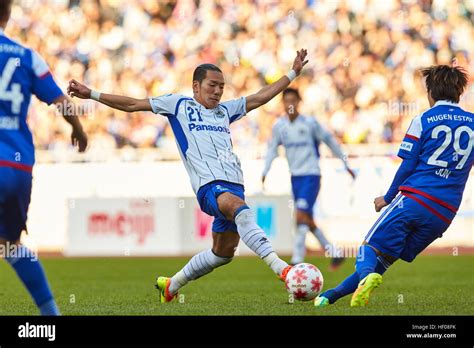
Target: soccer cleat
[163, 284]
[283, 274]
[336, 262]
[321, 301]
[366, 286]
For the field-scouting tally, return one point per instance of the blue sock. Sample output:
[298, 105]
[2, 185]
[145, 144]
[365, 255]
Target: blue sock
[29, 270]
[49, 308]
[349, 285]
[346, 287]
[366, 261]
[382, 265]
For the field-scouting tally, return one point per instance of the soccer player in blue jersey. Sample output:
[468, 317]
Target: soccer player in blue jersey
[201, 128]
[301, 136]
[23, 73]
[437, 154]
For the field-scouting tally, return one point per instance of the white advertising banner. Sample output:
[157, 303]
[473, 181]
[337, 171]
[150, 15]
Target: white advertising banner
[122, 227]
[162, 226]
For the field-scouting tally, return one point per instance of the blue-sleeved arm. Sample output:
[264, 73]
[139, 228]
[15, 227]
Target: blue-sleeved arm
[43, 86]
[404, 171]
[409, 151]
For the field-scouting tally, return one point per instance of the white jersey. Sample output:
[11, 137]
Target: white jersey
[203, 136]
[301, 139]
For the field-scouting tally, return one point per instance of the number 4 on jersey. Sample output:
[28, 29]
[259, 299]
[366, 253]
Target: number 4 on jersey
[14, 95]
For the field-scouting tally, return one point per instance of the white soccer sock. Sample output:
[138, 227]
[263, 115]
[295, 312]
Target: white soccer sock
[275, 263]
[322, 239]
[254, 237]
[299, 247]
[200, 264]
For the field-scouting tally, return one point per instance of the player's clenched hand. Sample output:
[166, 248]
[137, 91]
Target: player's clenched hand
[379, 203]
[79, 139]
[77, 89]
[300, 61]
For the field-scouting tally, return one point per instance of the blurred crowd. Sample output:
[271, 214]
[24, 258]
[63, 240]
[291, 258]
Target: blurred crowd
[361, 81]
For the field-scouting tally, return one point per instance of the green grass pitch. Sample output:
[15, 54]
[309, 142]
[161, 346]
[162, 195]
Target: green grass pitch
[431, 285]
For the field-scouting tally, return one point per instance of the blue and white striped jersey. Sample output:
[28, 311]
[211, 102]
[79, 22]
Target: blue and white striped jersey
[203, 136]
[301, 139]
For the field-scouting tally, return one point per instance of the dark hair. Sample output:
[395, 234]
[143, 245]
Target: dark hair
[201, 71]
[445, 82]
[5, 7]
[291, 91]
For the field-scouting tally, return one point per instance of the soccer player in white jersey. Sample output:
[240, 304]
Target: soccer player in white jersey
[201, 127]
[301, 135]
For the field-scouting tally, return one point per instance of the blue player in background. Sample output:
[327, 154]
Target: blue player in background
[23, 73]
[437, 154]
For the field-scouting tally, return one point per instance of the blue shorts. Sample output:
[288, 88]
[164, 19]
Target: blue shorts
[207, 198]
[15, 193]
[305, 191]
[406, 228]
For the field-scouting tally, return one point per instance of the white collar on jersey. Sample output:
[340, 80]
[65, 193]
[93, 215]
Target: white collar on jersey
[1, 31]
[445, 102]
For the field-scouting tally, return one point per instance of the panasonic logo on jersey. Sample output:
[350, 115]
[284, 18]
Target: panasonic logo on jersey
[208, 127]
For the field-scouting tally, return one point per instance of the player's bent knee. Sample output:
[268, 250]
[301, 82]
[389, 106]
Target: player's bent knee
[229, 204]
[303, 218]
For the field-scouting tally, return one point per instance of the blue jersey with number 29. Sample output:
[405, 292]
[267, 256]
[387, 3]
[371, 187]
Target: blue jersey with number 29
[442, 139]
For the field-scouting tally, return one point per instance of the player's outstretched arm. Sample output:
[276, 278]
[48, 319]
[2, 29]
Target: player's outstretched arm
[268, 92]
[77, 89]
[78, 136]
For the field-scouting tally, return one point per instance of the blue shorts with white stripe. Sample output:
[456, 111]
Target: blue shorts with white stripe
[405, 229]
[305, 191]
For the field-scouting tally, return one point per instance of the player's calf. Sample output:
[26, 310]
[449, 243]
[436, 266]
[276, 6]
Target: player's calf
[28, 268]
[225, 244]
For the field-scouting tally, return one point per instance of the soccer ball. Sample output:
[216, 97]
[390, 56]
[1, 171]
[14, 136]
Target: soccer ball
[304, 281]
